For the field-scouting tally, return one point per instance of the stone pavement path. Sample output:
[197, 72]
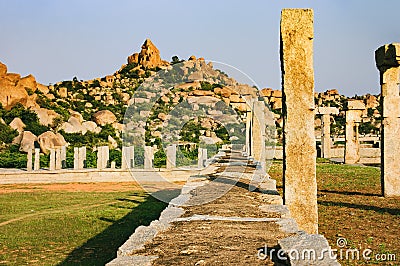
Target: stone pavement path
[233, 229]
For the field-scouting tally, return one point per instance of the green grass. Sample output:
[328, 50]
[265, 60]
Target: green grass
[70, 228]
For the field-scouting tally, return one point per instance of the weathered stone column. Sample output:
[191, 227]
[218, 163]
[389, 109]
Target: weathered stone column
[387, 60]
[103, 154]
[124, 158]
[258, 134]
[29, 160]
[200, 158]
[299, 152]
[148, 157]
[354, 112]
[81, 157]
[205, 156]
[128, 157]
[58, 159]
[36, 165]
[52, 164]
[171, 156]
[76, 158]
[249, 137]
[326, 144]
[63, 157]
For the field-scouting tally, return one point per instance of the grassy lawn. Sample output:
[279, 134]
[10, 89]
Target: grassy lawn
[70, 228]
[350, 206]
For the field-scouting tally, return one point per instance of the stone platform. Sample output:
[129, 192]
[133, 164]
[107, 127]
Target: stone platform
[221, 219]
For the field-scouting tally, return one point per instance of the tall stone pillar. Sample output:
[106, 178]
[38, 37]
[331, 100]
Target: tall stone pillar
[63, 157]
[58, 159]
[326, 144]
[249, 137]
[258, 134]
[205, 156]
[299, 152]
[52, 165]
[36, 165]
[354, 112]
[103, 156]
[148, 157]
[124, 158]
[200, 158]
[29, 161]
[131, 152]
[387, 60]
[128, 157]
[171, 156]
[82, 158]
[76, 158]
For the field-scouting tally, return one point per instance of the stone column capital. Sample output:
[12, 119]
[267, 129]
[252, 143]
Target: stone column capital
[387, 56]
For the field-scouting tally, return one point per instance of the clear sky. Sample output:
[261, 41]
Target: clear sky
[58, 39]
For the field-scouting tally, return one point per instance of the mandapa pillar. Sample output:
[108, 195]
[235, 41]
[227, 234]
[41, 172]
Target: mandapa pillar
[29, 160]
[326, 144]
[148, 157]
[299, 158]
[58, 158]
[171, 156]
[36, 165]
[387, 60]
[354, 112]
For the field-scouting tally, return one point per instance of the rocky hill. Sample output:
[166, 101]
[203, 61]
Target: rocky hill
[91, 112]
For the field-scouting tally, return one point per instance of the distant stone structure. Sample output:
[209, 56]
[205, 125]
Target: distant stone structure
[354, 113]
[326, 144]
[52, 165]
[299, 175]
[29, 161]
[258, 134]
[128, 157]
[171, 156]
[148, 157]
[202, 157]
[79, 158]
[387, 60]
[36, 164]
[103, 156]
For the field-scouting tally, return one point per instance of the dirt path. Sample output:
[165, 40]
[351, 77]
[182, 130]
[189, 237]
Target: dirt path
[235, 234]
[71, 187]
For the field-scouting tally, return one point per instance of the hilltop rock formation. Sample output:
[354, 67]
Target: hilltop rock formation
[104, 117]
[14, 89]
[149, 56]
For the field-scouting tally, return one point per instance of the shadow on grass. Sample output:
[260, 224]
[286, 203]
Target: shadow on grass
[361, 207]
[103, 247]
[350, 193]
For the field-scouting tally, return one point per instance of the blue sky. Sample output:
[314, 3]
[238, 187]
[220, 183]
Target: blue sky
[57, 40]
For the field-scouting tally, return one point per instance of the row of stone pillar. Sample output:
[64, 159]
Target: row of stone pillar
[171, 157]
[58, 157]
[354, 113]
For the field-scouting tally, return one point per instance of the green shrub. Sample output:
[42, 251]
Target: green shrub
[7, 134]
[12, 159]
[116, 156]
[27, 116]
[160, 159]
